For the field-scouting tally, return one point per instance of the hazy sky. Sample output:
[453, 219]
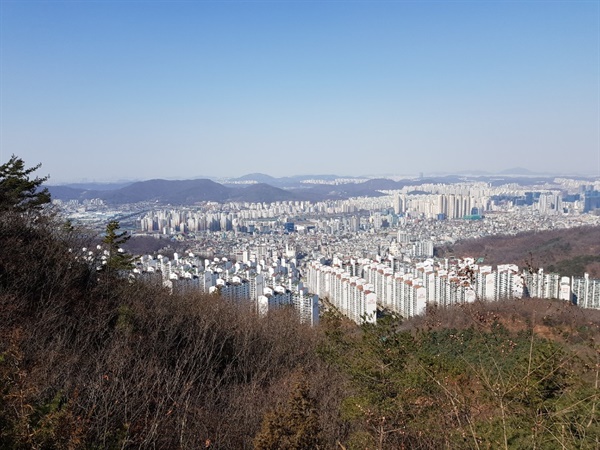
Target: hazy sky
[106, 90]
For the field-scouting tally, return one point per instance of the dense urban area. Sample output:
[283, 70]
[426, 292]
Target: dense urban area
[360, 253]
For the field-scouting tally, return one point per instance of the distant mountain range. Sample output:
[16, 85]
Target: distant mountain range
[185, 192]
[259, 187]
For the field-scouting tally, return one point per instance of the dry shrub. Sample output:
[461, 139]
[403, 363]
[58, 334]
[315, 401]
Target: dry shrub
[109, 363]
[551, 319]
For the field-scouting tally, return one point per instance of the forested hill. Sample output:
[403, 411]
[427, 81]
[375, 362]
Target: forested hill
[570, 252]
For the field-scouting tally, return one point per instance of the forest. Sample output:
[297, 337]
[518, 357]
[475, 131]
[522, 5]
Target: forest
[567, 251]
[94, 359]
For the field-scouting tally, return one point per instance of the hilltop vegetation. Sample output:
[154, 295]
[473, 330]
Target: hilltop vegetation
[569, 252]
[518, 374]
[90, 359]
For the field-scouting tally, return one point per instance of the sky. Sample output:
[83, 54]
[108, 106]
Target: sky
[129, 90]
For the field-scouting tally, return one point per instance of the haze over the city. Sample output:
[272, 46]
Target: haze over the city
[138, 90]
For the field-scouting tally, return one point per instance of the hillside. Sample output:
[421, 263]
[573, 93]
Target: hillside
[514, 374]
[261, 192]
[570, 252]
[168, 191]
[90, 360]
[92, 357]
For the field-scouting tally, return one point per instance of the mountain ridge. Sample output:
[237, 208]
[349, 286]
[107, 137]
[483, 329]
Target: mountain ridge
[266, 188]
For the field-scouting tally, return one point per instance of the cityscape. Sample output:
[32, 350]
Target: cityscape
[361, 254]
[299, 225]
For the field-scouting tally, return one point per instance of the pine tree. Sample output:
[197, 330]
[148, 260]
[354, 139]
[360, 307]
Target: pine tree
[18, 192]
[117, 258]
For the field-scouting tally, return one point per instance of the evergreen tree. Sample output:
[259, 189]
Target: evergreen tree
[117, 258]
[18, 192]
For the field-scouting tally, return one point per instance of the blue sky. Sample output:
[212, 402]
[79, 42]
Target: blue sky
[107, 90]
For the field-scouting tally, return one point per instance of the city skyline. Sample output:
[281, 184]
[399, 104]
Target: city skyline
[141, 90]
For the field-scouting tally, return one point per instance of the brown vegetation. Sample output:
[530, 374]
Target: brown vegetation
[570, 252]
[91, 360]
[557, 320]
